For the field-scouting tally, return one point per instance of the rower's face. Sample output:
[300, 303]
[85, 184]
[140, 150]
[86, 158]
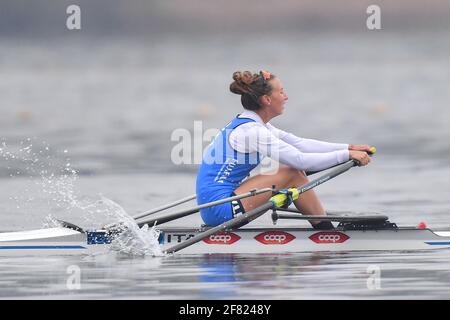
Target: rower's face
[278, 96]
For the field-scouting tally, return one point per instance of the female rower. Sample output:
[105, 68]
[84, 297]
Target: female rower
[240, 146]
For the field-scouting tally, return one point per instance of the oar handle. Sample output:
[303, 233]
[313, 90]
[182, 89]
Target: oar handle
[372, 151]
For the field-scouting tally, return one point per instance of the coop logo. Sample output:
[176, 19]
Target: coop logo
[274, 237]
[329, 237]
[222, 238]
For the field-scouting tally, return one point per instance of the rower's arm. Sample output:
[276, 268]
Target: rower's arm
[271, 146]
[307, 145]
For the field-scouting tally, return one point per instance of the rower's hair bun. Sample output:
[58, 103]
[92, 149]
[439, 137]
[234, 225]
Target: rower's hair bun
[246, 77]
[242, 82]
[250, 86]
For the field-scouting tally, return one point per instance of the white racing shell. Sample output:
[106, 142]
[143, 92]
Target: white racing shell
[65, 241]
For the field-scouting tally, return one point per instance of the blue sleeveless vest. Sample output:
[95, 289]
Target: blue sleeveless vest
[223, 168]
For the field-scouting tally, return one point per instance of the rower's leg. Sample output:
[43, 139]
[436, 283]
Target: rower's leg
[308, 203]
[280, 179]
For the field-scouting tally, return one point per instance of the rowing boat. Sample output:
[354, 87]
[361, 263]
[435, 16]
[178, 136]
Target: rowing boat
[66, 241]
[354, 233]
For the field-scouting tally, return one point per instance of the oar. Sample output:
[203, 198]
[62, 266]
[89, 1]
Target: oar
[166, 206]
[277, 201]
[184, 213]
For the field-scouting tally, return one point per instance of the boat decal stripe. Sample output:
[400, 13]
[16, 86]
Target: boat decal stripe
[40, 247]
[439, 243]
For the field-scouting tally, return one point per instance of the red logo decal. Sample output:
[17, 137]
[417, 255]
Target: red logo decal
[329, 237]
[222, 238]
[274, 237]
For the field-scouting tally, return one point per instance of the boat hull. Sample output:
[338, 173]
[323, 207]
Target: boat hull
[65, 241]
[291, 240]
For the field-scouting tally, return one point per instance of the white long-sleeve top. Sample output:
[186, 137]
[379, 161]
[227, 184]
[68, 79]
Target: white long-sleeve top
[284, 147]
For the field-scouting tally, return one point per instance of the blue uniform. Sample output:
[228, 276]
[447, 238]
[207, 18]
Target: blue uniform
[221, 172]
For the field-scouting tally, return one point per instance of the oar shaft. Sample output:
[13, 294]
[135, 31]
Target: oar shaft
[183, 213]
[166, 218]
[241, 219]
[330, 175]
[166, 206]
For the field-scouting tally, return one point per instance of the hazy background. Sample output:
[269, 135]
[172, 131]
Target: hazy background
[113, 92]
[146, 18]
[106, 99]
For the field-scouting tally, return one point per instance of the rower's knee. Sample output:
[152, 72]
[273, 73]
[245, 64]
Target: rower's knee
[299, 177]
[296, 177]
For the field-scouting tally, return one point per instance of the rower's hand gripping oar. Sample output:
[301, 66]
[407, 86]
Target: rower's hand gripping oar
[277, 201]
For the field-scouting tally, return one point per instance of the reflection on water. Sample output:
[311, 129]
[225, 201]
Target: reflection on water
[258, 272]
[403, 275]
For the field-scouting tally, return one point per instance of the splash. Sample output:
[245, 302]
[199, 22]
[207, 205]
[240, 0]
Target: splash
[51, 176]
[50, 222]
[132, 240]
[55, 181]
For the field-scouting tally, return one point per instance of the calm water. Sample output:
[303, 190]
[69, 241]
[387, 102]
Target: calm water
[108, 108]
[407, 275]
